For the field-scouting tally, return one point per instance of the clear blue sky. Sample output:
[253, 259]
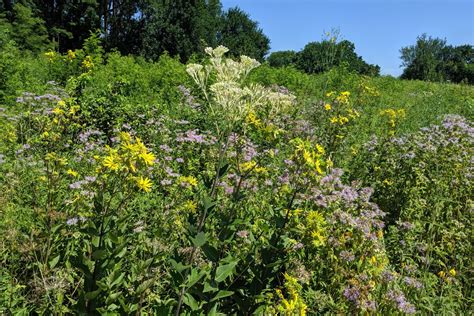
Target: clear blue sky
[378, 28]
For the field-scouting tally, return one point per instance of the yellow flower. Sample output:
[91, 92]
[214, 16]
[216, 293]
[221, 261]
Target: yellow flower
[442, 274]
[190, 206]
[373, 260]
[144, 184]
[87, 62]
[50, 55]
[72, 173]
[71, 54]
[333, 120]
[61, 103]
[452, 272]
[148, 158]
[58, 111]
[189, 180]
[327, 106]
[246, 166]
[320, 149]
[112, 162]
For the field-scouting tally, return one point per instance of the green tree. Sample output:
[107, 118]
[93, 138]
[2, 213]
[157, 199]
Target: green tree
[422, 60]
[282, 58]
[25, 28]
[431, 59]
[242, 35]
[317, 57]
[179, 27]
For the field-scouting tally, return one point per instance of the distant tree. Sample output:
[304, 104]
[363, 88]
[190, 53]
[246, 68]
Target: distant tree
[431, 59]
[423, 59]
[242, 35]
[282, 58]
[317, 57]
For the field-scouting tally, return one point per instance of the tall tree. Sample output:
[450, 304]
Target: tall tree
[25, 28]
[242, 35]
[180, 27]
[317, 57]
[422, 60]
[432, 59]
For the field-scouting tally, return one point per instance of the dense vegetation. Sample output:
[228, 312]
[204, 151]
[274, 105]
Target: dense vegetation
[224, 187]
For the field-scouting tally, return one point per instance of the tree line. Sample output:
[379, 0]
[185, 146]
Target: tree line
[184, 28]
[145, 27]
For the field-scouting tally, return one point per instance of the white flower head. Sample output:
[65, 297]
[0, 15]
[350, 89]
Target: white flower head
[217, 52]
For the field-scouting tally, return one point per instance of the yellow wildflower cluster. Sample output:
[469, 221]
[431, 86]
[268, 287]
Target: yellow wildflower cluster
[270, 131]
[129, 158]
[50, 55]
[190, 180]
[311, 155]
[71, 55]
[393, 116]
[343, 97]
[316, 228]
[368, 90]
[443, 274]
[87, 63]
[294, 305]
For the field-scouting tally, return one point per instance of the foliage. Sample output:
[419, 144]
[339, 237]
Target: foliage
[282, 58]
[137, 187]
[317, 57]
[23, 27]
[242, 35]
[432, 59]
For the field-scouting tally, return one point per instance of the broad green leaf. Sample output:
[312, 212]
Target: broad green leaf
[200, 239]
[190, 301]
[53, 262]
[222, 294]
[224, 271]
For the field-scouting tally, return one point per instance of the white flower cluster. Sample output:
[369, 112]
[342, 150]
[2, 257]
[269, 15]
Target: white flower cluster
[228, 96]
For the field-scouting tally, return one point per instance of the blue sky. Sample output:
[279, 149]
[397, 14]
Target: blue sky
[378, 28]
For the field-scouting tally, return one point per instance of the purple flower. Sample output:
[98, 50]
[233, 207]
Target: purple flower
[399, 299]
[347, 255]
[412, 282]
[166, 182]
[72, 221]
[352, 294]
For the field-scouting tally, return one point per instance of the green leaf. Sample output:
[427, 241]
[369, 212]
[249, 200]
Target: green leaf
[178, 266]
[208, 203]
[222, 294]
[209, 288]
[145, 285]
[223, 170]
[190, 301]
[224, 271]
[210, 252]
[99, 254]
[118, 280]
[193, 277]
[53, 262]
[92, 295]
[199, 240]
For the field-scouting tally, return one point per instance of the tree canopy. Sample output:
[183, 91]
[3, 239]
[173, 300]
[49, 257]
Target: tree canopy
[431, 59]
[317, 57]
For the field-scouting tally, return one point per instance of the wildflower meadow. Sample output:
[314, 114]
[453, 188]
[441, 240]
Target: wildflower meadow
[223, 186]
